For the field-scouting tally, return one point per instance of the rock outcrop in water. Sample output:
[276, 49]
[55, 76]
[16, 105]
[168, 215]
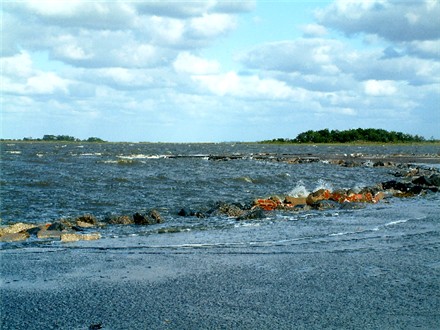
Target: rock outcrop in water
[412, 180]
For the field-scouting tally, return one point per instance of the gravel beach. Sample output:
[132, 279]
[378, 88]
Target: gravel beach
[215, 288]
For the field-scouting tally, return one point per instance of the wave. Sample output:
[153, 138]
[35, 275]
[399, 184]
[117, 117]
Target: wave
[299, 190]
[142, 156]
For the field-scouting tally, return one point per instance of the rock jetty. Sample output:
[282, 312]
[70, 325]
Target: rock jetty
[410, 181]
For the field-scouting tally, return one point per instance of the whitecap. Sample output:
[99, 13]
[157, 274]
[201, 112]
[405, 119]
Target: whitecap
[142, 156]
[323, 184]
[392, 223]
[299, 190]
[91, 154]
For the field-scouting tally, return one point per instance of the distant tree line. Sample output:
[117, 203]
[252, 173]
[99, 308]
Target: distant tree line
[351, 135]
[63, 138]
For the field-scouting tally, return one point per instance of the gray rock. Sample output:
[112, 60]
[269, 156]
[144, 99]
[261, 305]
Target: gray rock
[254, 214]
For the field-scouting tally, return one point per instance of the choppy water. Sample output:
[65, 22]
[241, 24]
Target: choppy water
[43, 182]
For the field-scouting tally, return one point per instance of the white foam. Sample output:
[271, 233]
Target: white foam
[142, 156]
[322, 184]
[299, 190]
[392, 223]
[91, 154]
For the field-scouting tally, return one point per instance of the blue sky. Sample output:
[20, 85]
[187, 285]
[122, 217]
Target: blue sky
[212, 71]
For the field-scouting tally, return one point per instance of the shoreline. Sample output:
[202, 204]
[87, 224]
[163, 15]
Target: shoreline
[78, 288]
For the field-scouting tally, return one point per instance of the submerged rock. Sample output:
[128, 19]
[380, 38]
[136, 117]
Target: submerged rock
[73, 237]
[351, 206]
[325, 205]
[60, 226]
[256, 213]
[187, 212]
[14, 237]
[53, 234]
[16, 228]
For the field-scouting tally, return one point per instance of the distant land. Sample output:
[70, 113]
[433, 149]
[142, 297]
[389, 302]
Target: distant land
[58, 138]
[359, 135]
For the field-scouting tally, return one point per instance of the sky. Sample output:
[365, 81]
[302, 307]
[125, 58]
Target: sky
[218, 71]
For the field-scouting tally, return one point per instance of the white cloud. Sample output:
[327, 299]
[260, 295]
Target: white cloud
[380, 87]
[20, 77]
[391, 20]
[76, 13]
[425, 48]
[247, 86]
[46, 83]
[19, 65]
[188, 63]
[313, 30]
[300, 55]
[212, 25]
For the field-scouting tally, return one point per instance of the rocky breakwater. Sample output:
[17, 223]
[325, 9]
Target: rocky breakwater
[410, 181]
[414, 180]
[83, 228]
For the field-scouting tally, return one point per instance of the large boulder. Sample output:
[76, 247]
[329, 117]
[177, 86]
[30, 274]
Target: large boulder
[121, 220]
[16, 228]
[318, 195]
[290, 201]
[230, 210]
[430, 181]
[150, 218]
[86, 221]
[267, 204]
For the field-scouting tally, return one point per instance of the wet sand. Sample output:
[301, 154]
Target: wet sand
[220, 289]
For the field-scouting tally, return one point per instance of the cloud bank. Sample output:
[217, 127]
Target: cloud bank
[137, 71]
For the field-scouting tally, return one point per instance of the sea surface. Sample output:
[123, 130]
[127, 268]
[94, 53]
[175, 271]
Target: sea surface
[44, 182]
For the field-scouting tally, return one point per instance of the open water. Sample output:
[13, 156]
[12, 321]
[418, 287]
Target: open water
[43, 182]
